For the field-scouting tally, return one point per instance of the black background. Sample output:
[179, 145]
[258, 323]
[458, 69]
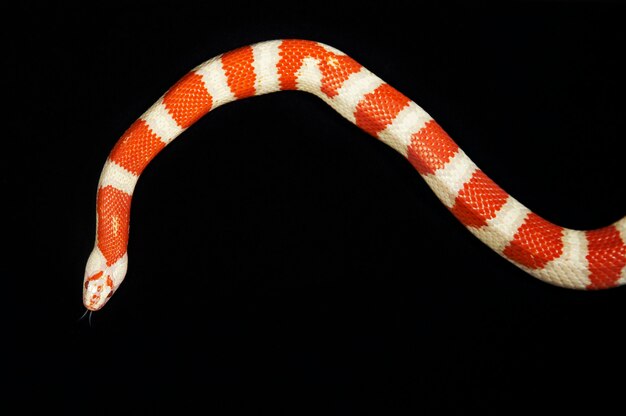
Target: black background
[281, 260]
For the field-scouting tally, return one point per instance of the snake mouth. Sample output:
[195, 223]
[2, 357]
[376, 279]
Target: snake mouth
[95, 302]
[93, 308]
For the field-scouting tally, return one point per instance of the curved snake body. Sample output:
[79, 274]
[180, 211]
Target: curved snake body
[569, 258]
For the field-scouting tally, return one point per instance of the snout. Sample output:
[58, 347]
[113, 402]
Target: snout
[96, 294]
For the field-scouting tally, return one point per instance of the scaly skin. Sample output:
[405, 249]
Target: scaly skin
[563, 257]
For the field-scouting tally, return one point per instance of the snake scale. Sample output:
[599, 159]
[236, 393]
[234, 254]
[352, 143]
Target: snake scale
[568, 258]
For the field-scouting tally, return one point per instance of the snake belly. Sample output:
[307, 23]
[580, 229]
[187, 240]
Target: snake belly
[568, 258]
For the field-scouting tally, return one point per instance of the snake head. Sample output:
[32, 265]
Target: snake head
[101, 280]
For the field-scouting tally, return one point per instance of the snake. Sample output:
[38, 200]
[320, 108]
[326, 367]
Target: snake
[574, 259]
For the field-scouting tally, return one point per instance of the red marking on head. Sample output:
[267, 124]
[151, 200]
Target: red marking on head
[110, 285]
[335, 68]
[94, 300]
[92, 278]
[95, 276]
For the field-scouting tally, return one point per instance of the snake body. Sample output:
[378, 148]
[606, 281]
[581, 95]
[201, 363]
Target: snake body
[593, 259]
